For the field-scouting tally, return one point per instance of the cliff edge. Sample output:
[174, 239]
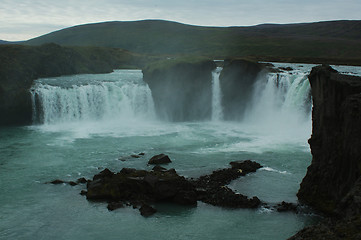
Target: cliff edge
[335, 142]
[332, 184]
[237, 82]
[181, 88]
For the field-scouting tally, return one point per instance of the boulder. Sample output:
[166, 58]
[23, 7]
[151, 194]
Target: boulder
[286, 207]
[147, 210]
[159, 159]
[246, 166]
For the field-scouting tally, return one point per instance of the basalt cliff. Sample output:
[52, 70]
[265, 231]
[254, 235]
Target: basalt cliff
[332, 184]
[182, 88]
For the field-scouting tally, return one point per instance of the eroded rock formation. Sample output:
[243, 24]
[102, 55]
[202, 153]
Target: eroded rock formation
[237, 81]
[332, 184]
[335, 142]
[181, 89]
[141, 188]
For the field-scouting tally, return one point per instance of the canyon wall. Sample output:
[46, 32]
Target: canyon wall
[335, 142]
[237, 81]
[332, 184]
[181, 88]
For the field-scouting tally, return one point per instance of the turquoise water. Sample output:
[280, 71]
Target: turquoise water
[81, 140]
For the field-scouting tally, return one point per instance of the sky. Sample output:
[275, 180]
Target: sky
[25, 19]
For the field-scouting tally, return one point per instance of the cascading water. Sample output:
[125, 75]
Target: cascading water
[217, 112]
[281, 101]
[121, 95]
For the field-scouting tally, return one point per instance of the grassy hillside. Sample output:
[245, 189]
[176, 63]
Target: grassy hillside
[323, 40]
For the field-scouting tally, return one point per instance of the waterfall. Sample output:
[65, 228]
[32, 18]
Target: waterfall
[71, 100]
[281, 101]
[217, 112]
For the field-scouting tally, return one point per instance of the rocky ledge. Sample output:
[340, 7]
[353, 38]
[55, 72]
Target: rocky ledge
[332, 184]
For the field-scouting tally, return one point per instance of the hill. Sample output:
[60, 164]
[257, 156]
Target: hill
[4, 42]
[323, 40]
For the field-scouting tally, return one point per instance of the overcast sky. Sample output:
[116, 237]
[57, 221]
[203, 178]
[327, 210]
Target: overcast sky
[25, 19]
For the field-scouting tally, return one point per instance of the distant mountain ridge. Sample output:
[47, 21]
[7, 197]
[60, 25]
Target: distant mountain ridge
[332, 39]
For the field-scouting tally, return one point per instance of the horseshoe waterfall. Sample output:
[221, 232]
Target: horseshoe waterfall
[83, 124]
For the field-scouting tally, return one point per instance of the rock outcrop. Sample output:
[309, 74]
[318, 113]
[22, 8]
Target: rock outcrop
[237, 81]
[141, 188]
[332, 184]
[181, 88]
[335, 142]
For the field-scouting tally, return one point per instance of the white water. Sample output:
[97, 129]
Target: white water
[281, 105]
[117, 97]
[217, 112]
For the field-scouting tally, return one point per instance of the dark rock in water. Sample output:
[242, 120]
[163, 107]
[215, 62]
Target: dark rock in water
[125, 158]
[140, 187]
[211, 188]
[115, 205]
[286, 207]
[236, 81]
[225, 176]
[72, 183]
[82, 180]
[57, 181]
[246, 166]
[159, 159]
[146, 210]
[103, 174]
[225, 197]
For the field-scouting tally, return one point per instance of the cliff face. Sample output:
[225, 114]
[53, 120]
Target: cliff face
[181, 90]
[237, 79]
[21, 65]
[335, 142]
